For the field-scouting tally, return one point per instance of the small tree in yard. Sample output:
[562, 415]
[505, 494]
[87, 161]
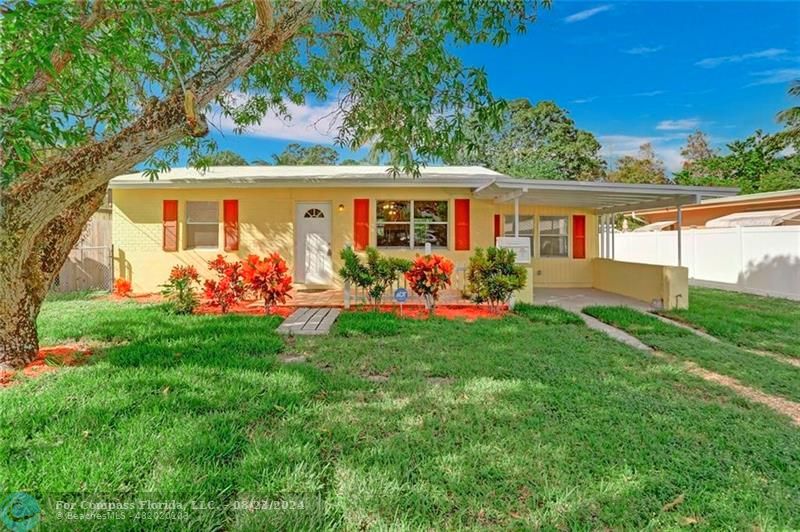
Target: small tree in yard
[429, 275]
[376, 276]
[181, 289]
[268, 279]
[493, 276]
[90, 89]
[229, 287]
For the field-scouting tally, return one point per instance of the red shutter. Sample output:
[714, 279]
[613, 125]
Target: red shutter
[579, 236]
[170, 220]
[496, 228]
[230, 210]
[462, 224]
[360, 224]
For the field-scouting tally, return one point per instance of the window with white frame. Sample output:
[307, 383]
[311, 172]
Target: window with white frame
[411, 223]
[202, 225]
[525, 227]
[553, 236]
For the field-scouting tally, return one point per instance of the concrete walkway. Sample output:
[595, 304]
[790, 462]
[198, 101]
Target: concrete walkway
[309, 321]
[576, 299]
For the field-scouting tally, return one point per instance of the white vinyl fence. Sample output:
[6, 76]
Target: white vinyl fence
[759, 260]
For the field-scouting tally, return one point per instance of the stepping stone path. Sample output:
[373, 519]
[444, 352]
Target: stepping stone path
[309, 320]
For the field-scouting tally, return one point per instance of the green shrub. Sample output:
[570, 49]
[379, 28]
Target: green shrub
[374, 277]
[493, 276]
[181, 289]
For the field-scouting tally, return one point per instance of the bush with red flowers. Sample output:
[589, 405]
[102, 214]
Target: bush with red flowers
[268, 279]
[180, 289]
[122, 287]
[229, 287]
[429, 275]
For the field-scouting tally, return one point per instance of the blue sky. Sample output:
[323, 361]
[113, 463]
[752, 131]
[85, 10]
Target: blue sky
[629, 72]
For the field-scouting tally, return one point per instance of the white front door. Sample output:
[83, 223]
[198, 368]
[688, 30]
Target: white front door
[312, 240]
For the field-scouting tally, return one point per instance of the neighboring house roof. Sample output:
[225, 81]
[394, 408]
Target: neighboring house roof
[757, 219]
[485, 184]
[657, 226]
[781, 198]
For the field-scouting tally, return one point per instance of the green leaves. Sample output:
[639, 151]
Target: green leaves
[530, 141]
[75, 73]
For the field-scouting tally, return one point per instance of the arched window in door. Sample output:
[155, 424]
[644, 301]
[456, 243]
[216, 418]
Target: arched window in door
[314, 213]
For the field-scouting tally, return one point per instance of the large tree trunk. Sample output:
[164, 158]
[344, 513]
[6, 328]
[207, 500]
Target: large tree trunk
[44, 210]
[25, 279]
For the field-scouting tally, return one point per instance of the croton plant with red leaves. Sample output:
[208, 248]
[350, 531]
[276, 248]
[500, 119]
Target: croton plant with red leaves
[228, 289]
[268, 279]
[122, 287]
[180, 289]
[429, 274]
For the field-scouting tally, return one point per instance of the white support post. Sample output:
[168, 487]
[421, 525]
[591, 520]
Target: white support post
[613, 234]
[680, 243]
[516, 217]
[601, 235]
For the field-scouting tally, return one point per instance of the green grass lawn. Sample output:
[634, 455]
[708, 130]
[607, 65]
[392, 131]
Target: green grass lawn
[765, 323]
[767, 374]
[527, 421]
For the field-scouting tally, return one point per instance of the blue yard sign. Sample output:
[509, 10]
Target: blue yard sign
[401, 295]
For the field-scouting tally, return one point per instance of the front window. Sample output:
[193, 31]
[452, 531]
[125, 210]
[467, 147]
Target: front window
[553, 236]
[202, 224]
[412, 224]
[525, 227]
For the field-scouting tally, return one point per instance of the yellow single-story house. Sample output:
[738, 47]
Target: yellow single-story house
[561, 230]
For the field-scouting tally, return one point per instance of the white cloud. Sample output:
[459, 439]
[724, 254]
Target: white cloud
[643, 50]
[585, 100]
[308, 123]
[682, 124]
[712, 62]
[666, 147]
[649, 93]
[586, 13]
[771, 77]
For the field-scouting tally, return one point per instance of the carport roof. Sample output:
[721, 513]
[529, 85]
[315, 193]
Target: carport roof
[603, 198]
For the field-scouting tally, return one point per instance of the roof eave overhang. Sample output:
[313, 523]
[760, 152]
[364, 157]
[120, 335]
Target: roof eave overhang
[602, 198]
[470, 182]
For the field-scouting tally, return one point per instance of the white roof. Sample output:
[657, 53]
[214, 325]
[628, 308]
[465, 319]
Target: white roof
[603, 198]
[656, 226]
[299, 176]
[757, 218]
[484, 183]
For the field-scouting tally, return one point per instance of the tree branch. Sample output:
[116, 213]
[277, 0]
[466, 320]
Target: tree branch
[38, 196]
[59, 60]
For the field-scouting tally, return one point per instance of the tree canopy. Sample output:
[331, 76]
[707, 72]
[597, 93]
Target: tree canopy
[536, 141]
[317, 154]
[225, 158]
[644, 167]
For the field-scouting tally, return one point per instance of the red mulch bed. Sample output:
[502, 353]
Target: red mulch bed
[412, 310]
[451, 312]
[49, 359]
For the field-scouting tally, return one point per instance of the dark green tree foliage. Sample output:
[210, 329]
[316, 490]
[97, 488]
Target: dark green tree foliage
[376, 276]
[493, 276]
[298, 155]
[755, 164]
[642, 168]
[534, 141]
[225, 158]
